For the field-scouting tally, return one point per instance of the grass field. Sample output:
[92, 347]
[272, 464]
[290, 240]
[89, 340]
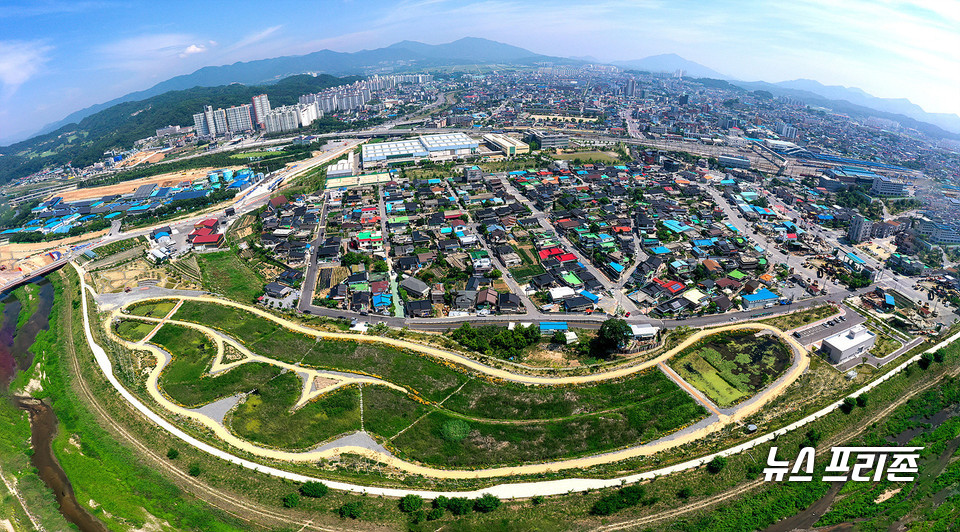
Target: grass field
[599, 156]
[152, 309]
[133, 331]
[586, 419]
[224, 273]
[266, 415]
[731, 367]
[803, 317]
[185, 379]
[523, 273]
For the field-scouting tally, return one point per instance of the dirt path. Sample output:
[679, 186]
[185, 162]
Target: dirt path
[232, 504]
[310, 456]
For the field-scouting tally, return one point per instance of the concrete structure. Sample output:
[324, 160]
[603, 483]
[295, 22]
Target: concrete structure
[853, 342]
[442, 147]
[759, 299]
[291, 117]
[239, 118]
[937, 232]
[734, 161]
[549, 139]
[884, 186]
[860, 229]
[261, 106]
[507, 144]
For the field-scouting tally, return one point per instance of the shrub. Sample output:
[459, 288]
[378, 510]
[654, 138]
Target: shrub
[847, 405]
[862, 400]
[194, 470]
[925, 361]
[441, 502]
[938, 355]
[538, 500]
[291, 500]
[172, 453]
[314, 489]
[685, 493]
[411, 503]
[486, 504]
[455, 429]
[435, 513]
[418, 517]
[623, 498]
[351, 510]
[459, 505]
[717, 464]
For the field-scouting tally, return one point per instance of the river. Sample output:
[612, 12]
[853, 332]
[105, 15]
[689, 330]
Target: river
[15, 356]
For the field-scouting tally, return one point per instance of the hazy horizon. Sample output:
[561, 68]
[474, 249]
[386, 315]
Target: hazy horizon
[59, 57]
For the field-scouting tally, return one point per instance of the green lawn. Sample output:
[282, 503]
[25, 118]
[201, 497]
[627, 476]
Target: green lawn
[555, 422]
[185, 379]
[132, 330]
[730, 367]
[803, 317]
[224, 273]
[266, 416]
[598, 156]
[152, 309]
[487, 443]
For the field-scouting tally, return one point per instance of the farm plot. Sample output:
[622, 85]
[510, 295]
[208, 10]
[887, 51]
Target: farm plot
[730, 368]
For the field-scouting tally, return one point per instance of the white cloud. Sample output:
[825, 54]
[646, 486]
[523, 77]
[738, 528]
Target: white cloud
[151, 53]
[20, 61]
[193, 49]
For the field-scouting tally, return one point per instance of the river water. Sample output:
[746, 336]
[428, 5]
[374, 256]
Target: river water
[15, 345]
[15, 356]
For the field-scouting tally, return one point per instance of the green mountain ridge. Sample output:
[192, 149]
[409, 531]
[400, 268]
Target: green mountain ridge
[118, 126]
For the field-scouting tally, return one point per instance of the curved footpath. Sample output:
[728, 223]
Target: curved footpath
[506, 491]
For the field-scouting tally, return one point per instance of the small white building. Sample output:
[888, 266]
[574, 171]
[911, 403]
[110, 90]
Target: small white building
[561, 293]
[644, 331]
[855, 341]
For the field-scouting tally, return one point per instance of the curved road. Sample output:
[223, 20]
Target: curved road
[526, 489]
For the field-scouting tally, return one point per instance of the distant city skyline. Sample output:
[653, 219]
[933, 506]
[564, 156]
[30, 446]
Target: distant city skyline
[57, 57]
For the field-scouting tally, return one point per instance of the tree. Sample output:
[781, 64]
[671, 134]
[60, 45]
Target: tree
[380, 266]
[493, 274]
[559, 338]
[486, 504]
[350, 510]
[172, 453]
[459, 505]
[411, 503]
[291, 500]
[717, 464]
[847, 405]
[314, 489]
[352, 258]
[464, 217]
[613, 335]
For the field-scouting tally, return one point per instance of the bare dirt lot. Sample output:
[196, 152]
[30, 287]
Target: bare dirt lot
[163, 180]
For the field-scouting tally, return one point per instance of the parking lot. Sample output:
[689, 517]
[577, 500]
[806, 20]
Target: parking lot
[817, 332]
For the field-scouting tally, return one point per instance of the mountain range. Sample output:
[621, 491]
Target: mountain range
[405, 55]
[139, 112]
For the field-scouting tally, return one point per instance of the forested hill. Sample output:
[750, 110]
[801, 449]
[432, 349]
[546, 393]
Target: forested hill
[117, 127]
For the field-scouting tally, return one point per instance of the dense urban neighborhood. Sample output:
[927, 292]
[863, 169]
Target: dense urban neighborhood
[488, 286]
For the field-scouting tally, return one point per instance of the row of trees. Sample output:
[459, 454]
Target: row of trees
[497, 341]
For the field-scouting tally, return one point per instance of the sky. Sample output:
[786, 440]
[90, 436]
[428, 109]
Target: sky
[59, 56]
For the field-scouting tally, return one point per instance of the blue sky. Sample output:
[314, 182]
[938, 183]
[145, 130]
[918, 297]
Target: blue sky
[59, 56]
